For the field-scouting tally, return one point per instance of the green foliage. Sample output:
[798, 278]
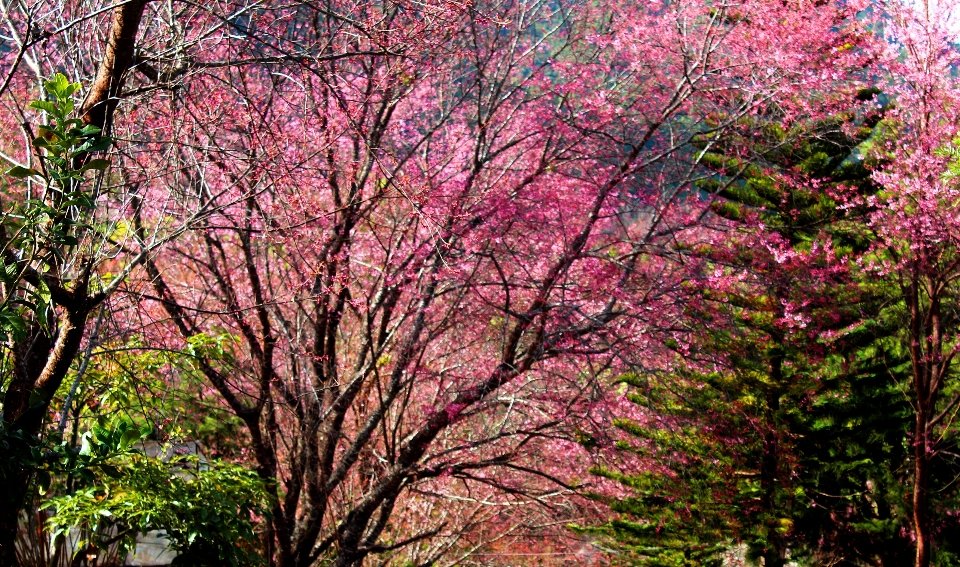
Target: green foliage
[683, 511]
[206, 509]
[102, 444]
[164, 389]
[800, 444]
[853, 450]
[37, 232]
[774, 372]
[843, 432]
[43, 221]
[776, 450]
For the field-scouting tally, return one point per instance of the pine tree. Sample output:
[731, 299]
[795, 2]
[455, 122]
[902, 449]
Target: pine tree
[795, 440]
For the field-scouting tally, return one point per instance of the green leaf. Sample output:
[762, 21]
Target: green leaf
[46, 106]
[98, 164]
[101, 433]
[129, 437]
[22, 172]
[60, 87]
[41, 142]
[37, 398]
[43, 481]
[94, 145]
[12, 323]
[111, 471]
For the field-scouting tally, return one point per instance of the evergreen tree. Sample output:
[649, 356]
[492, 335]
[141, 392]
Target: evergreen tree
[789, 437]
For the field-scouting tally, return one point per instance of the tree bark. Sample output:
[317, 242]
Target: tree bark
[773, 554]
[921, 488]
[925, 335]
[40, 364]
[15, 491]
[102, 98]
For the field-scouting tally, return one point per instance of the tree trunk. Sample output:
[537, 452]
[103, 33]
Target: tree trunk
[102, 97]
[926, 334]
[773, 553]
[8, 555]
[40, 364]
[39, 368]
[9, 517]
[921, 488]
[29, 360]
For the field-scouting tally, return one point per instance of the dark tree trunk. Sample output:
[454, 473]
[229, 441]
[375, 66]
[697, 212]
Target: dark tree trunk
[929, 368]
[774, 553]
[921, 489]
[40, 362]
[103, 95]
[14, 491]
[40, 366]
[29, 359]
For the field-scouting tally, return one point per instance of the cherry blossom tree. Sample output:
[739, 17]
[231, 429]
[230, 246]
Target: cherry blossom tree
[767, 290]
[432, 263]
[126, 53]
[421, 236]
[915, 223]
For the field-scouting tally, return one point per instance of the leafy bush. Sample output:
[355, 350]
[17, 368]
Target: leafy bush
[206, 509]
